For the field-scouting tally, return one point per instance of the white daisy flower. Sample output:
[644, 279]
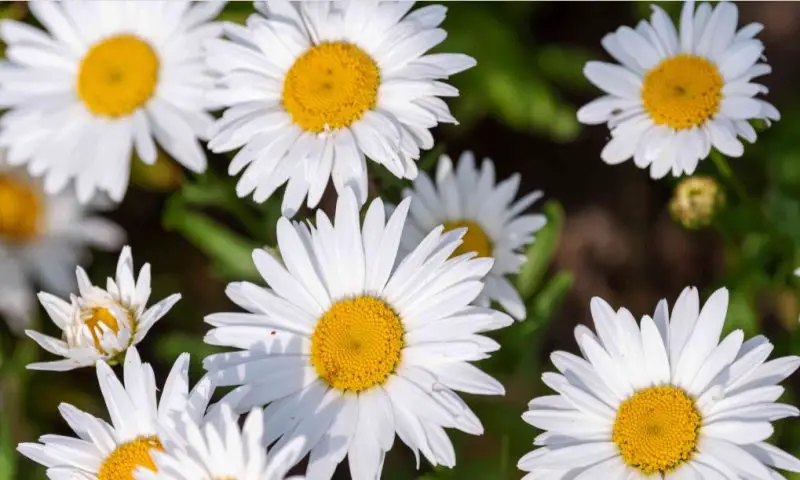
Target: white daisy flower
[469, 198]
[42, 238]
[348, 349]
[103, 80]
[315, 87]
[100, 324]
[665, 399]
[218, 449]
[115, 451]
[678, 94]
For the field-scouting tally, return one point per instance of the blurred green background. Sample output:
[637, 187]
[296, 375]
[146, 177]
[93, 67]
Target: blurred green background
[610, 232]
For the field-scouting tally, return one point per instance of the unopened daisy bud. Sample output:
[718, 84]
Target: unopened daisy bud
[787, 308]
[100, 324]
[695, 201]
[163, 175]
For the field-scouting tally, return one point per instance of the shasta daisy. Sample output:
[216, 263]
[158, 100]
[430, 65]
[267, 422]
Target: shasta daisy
[349, 347]
[664, 399]
[465, 197]
[105, 79]
[314, 88]
[676, 94]
[217, 448]
[100, 323]
[114, 451]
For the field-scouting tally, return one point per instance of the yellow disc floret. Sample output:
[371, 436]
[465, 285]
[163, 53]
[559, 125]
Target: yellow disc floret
[357, 343]
[20, 210]
[475, 240]
[682, 91]
[118, 75]
[657, 429]
[101, 316]
[123, 461]
[330, 86]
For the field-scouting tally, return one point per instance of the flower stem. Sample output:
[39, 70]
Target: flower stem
[725, 170]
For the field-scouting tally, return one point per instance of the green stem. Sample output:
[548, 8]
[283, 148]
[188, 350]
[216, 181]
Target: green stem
[724, 168]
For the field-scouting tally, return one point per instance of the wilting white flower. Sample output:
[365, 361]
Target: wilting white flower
[101, 324]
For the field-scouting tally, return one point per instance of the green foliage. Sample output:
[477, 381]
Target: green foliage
[545, 304]
[541, 251]
[230, 252]
[7, 449]
[237, 12]
[510, 83]
[15, 382]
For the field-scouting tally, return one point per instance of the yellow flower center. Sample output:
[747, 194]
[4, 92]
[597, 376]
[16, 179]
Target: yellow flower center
[123, 461]
[357, 343]
[331, 86]
[118, 75]
[657, 429]
[101, 316]
[20, 210]
[475, 240]
[682, 91]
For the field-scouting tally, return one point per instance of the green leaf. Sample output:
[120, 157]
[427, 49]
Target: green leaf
[14, 381]
[551, 296]
[211, 191]
[506, 83]
[540, 252]
[230, 252]
[564, 65]
[7, 449]
[544, 305]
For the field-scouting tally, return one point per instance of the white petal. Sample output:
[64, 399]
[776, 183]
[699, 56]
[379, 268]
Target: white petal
[613, 79]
